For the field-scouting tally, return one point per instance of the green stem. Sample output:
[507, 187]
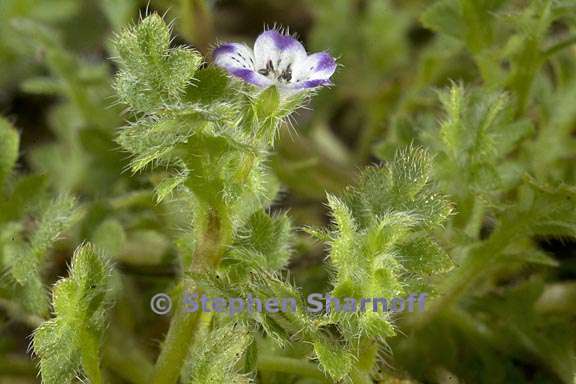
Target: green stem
[474, 224]
[176, 344]
[204, 323]
[292, 366]
[217, 234]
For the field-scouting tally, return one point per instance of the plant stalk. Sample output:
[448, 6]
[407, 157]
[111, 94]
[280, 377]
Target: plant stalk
[217, 233]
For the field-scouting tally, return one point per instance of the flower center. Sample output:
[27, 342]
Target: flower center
[275, 74]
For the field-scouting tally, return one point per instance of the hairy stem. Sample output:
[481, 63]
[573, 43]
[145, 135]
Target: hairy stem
[176, 344]
[216, 236]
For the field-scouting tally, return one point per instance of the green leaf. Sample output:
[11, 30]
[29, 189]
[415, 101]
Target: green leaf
[550, 208]
[470, 21]
[90, 353]
[335, 361]
[343, 248]
[381, 243]
[42, 86]
[422, 255]
[266, 239]
[403, 186]
[478, 131]
[59, 358]
[532, 256]
[215, 360]
[152, 74]
[210, 84]
[72, 339]
[53, 222]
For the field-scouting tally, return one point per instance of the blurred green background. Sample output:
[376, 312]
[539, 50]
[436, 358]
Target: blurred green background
[507, 320]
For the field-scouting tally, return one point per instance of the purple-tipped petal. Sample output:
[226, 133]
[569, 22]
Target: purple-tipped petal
[279, 40]
[319, 65]
[323, 63]
[234, 56]
[251, 77]
[278, 49]
[311, 84]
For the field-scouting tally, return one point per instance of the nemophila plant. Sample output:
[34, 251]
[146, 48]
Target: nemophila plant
[185, 200]
[213, 149]
[213, 143]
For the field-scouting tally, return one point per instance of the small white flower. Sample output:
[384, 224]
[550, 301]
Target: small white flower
[277, 59]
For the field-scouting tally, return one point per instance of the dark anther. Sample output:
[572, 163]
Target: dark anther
[269, 68]
[286, 74]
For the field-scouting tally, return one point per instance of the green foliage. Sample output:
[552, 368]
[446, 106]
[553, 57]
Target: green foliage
[445, 149]
[193, 133]
[24, 250]
[380, 246]
[14, 52]
[218, 351]
[477, 133]
[263, 242]
[82, 121]
[336, 363]
[73, 337]
[154, 75]
[549, 209]
[470, 21]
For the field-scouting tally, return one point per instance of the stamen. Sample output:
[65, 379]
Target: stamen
[286, 74]
[269, 68]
